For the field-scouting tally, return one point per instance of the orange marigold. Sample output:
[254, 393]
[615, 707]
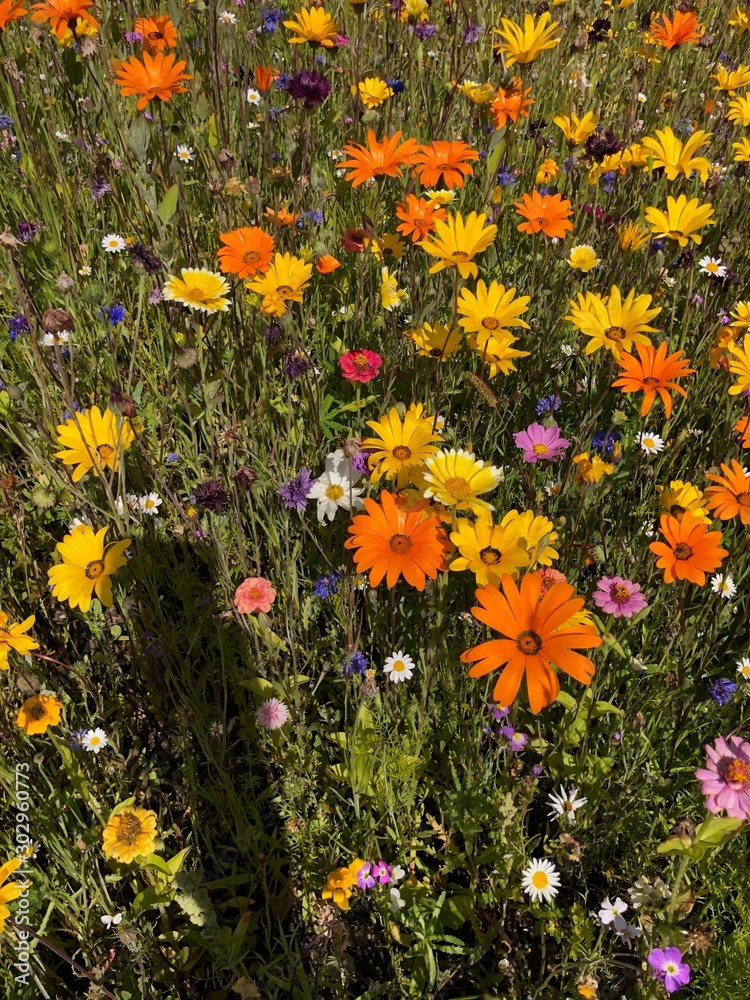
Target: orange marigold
[63, 15]
[510, 104]
[546, 213]
[652, 372]
[383, 158]
[246, 251]
[158, 31]
[157, 76]
[690, 550]
[743, 428]
[449, 160]
[419, 217]
[682, 29]
[732, 496]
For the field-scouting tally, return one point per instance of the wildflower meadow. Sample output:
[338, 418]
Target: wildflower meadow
[375, 499]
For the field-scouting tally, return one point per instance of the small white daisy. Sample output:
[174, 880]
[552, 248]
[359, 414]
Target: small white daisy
[112, 921]
[712, 266]
[612, 913]
[94, 740]
[399, 667]
[55, 339]
[185, 154]
[113, 243]
[336, 487]
[150, 504]
[568, 350]
[723, 585]
[61, 136]
[253, 96]
[253, 125]
[540, 880]
[227, 17]
[743, 668]
[216, 729]
[641, 98]
[565, 804]
[668, 281]
[651, 443]
[85, 271]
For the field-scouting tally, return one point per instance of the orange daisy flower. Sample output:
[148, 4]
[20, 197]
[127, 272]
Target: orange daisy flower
[157, 76]
[538, 633]
[449, 160]
[264, 77]
[158, 31]
[510, 104]
[11, 10]
[419, 217]
[732, 496]
[690, 550]
[683, 28]
[283, 217]
[378, 159]
[246, 251]
[392, 543]
[546, 213]
[63, 14]
[651, 372]
[743, 427]
[326, 264]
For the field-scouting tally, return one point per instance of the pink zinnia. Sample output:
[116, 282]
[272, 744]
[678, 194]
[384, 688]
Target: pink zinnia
[272, 714]
[360, 366]
[539, 443]
[619, 597]
[550, 577]
[725, 781]
[254, 594]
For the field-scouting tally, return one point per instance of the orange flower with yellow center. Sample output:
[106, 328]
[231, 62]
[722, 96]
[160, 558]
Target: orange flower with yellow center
[246, 251]
[378, 159]
[157, 76]
[689, 551]
[545, 213]
[651, 372]
[731, 498]
[419, 217]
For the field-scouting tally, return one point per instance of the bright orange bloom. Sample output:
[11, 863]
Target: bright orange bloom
[683, 28]
[157, 76]
[419, 217]
[11, 10]
[546, 213]
[158, 31]
[246, 251]
[392, 543]
[283, 217]
[63, 15]
[326, 264]
[510, 104]
[651, 372]
[378, 159]
[732, 497]
[538, 633]
[264, 77]
[449, 160]
[690, 550]
[743, 427]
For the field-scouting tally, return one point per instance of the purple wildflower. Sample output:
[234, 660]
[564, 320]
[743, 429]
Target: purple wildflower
[309, 86]
[364, 878]
[382, 872]
[294, 492]
[538, 442]
[669, 968]
[355, 663]
[619, 597]
[722, 690]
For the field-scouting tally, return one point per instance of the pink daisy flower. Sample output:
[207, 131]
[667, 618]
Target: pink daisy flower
[272, 714]
[725, 781]
[254, 594]
[619, 597]
[539, 443]
[360, 366]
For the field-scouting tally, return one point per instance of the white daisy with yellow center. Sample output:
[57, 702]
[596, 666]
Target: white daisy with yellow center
[94, 740]
[540, 880]
[113, 243]
[743, 668]
[399, 667]
[651, 443]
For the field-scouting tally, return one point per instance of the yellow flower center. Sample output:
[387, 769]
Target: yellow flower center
[458, 486]
[196, 294]
[400, 544]
[490, 323]
[540, 880]
[360, 361]
[529, 643]
[620, 593]
[736, 771]
[615, 333]
[334, 491]
[540, 449]
[94, 569]
[399, 666]
[250, 257]
[401, 452]
[129, 828]
[490, 556]
[682, 551]
[460, 256]
[105, 452]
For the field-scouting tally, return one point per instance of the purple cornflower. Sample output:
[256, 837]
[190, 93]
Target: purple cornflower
[309, 86]
[619, 597]
[506, 177]
[131, 37]
[6, 121]
[294, 492]
[355, 663]
[364, 878]
[99, 187]
[517, 741]
[114, 313]
[283, 81]
[382, 872]
[295, 364]
[172, 457]
[547, 404]
[326, 585]
[359, 462]
[472, 34]
[76, 739]
[722, 690]
[27, 231]
[669, 968]
[539, 443]
[272, 18]
[397, 86]
[607, 443]
[424, 31]
[16, 326]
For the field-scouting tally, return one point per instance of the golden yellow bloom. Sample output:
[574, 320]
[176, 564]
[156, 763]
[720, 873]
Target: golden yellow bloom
[741, 315]
[538, 533]
[739, 110]
[373, 91]
[489, 550]
[732, 80]
[87, 567]
[668, 152]
[340, 882]
[611, 322]
[129, 834]
[491, 310]
[198, 288]
[479, 93]
[740, 366]
[391, 296]
[681, 496]
[633, 237]
[583, 258]
[457, 478]
[414, 10]
[740, 20]
[681, 220]
[591, 470]
[577, 130]
[547, 172]
[496, 351]
[12, 637]
[10, 891]
[438, 341]
[387, 247]
[93, 441]
[315, 26]
[741, 151]
[38, 713]
[284, 281]
[401, 447]
[456, 243]
[523, 45]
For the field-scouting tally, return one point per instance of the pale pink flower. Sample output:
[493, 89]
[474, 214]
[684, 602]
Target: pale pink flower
[254, 594]
[272, 714]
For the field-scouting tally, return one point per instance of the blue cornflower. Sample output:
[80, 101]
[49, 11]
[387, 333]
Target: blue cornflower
[294, 494]
[684, 127]
[283, 81]
[272, 18]
[116, 314]
[506, 177]
[607, 444]
[172, 457]
[76, 739]
[547, 404]
[609, 179]
[722, 690]
[326, 585]
[397, 86]
[355, 664]
[16, 326]
[6, 121]
[77, 408]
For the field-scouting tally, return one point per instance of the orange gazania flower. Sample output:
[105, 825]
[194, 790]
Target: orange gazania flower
[651, 372]
[732, 497]
[392, 543]
[419, 217]
[510, 104]
[264, 77]
[690, 550]
[378, 159]
[447, 159]
[63, 15]
[246, 251]
[546, 213]
[283, 217]
[743, 427]
[157, 76]
[537, 633]
[11, 10]
[681, 29]
[326, 264]
[158, 31]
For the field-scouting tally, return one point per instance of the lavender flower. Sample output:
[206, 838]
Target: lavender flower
[17, 325]
[294, 492]
[100, 186]
[326, 585]
[355, 663]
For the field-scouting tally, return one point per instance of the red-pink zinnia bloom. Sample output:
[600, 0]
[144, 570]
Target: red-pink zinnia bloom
[619, 597]
[725, 781]
[538, 442]
[360, 366]
[254, 594]
[272, 714]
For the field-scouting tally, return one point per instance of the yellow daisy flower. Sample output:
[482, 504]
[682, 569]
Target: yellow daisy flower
[583, 258]
[10, 891]
[492, 310]
[458, 478]
[456, 243]
[38, 713]
[496, 352]
[12, 637]
[681, 496]
[538, 533]
[387, 247]
[315, 26]
[340, 882]
[577, 130]
[591, 470]
[523, 45]
[93, 441]
[401, 447]
[739, 110]
[129, 834]
[391, 296]
[86, 568]
[284, 281]
[633, 237]
[668, 152]
[611, 322]
[681, 220]
[439, 341]
[373, 91]
[488, 549]
[741, 151]
[198, 288]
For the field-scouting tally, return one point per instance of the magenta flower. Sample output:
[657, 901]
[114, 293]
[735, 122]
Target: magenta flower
[669, 968]
[517, 741]
[619, 597]
[725, 781]
[360, 366]
[382, 872]
[364, 878]
[272, 714]
[539, 443]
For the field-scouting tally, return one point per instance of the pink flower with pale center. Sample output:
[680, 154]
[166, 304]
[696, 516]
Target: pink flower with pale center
[272, 714]
[619, 597]
[254, 594]
[360, 366]
[725, 781]
[550, 577]
[540, 443]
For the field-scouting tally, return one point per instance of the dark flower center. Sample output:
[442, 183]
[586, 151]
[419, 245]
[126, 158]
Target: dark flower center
[649, 380]
[529, 643]
[743, 499]
[615, 332]
[401, 452]
[400, 544]
[37, 711]
[94, 569]
[676, 510]
[682, 551]
[284, 290]
[490, 556]
[250, 257]
[460, 256]
[620, 593]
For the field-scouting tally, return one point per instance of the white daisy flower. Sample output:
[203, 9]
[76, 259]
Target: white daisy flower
[253, 96]
[216, 729]
[713, 267]
[395, 900]
[565, 804]
[150, 503]
[541, 880]
[113, 243]
[651, 443]
[227, 17]
[55, 339]
[612, 913]
[336, 487]
[112, 921]
[253, 125]
[85, 271]
[568, 350]
[641, 98]
[94, 740]
[723, 585]
[61, 136]
[399, 667]
[743, 668]
[185, 154]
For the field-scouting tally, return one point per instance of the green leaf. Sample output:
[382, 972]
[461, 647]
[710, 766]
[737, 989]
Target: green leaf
[139, 137]
[497, 146]
[175, 864]
[455, 910]
[715, 831]
[168, 205]
[675, 845]
[213, 135]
